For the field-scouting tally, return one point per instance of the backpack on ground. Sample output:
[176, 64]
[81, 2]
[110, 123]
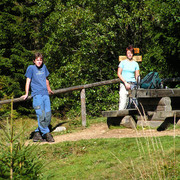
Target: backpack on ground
[151, 81]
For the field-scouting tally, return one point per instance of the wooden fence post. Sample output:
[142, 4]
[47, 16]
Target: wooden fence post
[83, 107]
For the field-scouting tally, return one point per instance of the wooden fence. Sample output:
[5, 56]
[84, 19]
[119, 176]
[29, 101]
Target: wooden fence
[82, 93]
[70, 89]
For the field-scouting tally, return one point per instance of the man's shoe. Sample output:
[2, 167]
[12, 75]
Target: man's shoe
[49, 137]
[38, 138]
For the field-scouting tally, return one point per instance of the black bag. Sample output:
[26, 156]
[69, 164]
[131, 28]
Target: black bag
[151, 81]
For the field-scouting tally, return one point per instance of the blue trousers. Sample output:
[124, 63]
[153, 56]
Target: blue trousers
[42, 106]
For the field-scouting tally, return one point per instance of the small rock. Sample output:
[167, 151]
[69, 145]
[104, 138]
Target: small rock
[178, 122]
[59, 129]
[128, 122]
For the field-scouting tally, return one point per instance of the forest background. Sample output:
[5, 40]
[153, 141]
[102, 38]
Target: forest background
[81, 41]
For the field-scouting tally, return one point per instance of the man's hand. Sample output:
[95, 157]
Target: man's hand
[24, 97]
[50, 91]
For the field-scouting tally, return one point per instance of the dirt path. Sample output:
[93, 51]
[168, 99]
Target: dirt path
[101, 130]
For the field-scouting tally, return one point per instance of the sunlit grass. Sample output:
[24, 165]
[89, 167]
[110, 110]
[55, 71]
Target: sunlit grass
[125, 158]
[113, 159]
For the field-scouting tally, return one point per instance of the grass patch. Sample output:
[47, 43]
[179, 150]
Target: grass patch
[171, 127]
[113, 159]
[126, 158]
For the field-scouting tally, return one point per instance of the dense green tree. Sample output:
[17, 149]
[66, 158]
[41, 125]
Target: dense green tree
[81, 41]
[161, 38]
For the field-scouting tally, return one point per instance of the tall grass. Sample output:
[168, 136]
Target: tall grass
[160, 166]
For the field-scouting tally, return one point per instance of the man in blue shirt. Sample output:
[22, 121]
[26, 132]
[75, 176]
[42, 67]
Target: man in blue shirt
[36, 77]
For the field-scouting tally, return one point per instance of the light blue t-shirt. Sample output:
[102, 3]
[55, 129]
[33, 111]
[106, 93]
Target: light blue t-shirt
[128, 70]
[38, 79]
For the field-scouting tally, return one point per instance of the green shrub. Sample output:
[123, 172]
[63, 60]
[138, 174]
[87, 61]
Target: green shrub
[17, 159]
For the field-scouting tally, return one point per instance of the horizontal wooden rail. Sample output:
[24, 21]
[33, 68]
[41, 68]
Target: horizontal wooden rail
[69, 89]
[74, 88]
[177, 79]
[14, 100]
[82, 93]
[80, 87]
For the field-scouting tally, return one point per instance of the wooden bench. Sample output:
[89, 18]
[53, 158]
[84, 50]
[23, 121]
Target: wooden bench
[120, 113]
[158, 106]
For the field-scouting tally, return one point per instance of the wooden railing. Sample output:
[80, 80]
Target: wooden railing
[82, 93]
[70, 89]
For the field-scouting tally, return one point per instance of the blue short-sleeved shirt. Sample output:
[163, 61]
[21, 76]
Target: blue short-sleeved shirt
[38, 79]
[128, 70]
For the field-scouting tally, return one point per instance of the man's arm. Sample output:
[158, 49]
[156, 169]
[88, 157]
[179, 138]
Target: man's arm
[48, 87]
[28, 81]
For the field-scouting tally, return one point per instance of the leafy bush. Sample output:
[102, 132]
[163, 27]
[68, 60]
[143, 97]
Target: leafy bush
[81, 41]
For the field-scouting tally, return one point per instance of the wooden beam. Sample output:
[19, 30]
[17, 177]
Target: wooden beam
[155, 114]
[69, 89]
[119, 113]
[83, 107]
[176, 79]
[15, 100]
[152, 93]
[135, 58]
[166, 114]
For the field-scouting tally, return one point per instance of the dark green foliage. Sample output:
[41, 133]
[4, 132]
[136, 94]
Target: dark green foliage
[81, 41]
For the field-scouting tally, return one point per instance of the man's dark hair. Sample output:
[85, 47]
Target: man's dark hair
[38, 54]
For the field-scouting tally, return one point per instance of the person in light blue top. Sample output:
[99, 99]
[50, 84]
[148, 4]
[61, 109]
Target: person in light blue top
[37, 78]
[128, 72]
[129, 69]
